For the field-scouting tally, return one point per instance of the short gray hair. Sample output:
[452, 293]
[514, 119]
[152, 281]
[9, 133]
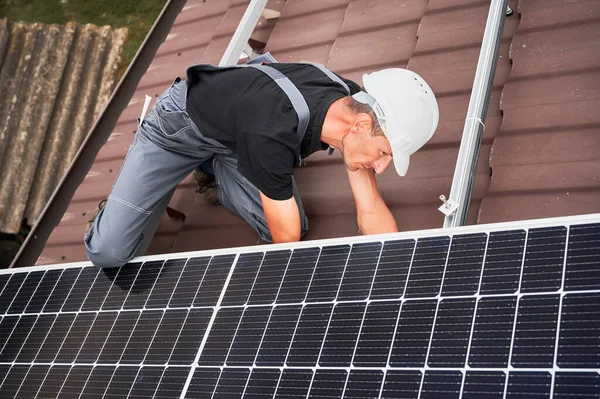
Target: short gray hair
[360, 108]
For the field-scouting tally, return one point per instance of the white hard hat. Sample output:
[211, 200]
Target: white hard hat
[406, 109]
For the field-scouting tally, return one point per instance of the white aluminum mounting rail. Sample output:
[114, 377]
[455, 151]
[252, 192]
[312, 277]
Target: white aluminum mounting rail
[243, 32]
[457, 206]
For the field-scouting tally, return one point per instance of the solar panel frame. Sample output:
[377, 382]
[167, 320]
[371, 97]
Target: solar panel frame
[436, 376]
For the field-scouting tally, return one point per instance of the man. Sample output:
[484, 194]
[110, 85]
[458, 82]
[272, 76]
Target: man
[253, 125]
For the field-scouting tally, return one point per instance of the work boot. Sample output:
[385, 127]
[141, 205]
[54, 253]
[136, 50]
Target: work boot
[204, 180]
[90, 222]
[207, 186]
[211, 195]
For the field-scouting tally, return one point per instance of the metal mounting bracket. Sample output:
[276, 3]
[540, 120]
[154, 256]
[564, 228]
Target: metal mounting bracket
[448, 207]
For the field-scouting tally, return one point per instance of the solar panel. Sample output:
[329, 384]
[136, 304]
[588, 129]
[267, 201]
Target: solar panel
[496, 311]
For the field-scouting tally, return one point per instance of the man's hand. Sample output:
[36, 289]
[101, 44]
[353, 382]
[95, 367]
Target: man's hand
[373, 215]
[283, 219]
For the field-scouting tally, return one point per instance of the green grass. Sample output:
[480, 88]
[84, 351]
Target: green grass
[135, 15]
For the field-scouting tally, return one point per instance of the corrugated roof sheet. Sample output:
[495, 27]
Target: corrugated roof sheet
[439, 39]
[54, 80]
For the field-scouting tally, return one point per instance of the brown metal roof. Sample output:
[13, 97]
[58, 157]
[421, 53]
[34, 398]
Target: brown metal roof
[538, 142]
[54, 80]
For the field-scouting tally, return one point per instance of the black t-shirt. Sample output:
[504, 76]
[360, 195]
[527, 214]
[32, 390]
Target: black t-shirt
[247, 112]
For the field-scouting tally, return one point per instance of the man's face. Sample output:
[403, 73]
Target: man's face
[363, 151]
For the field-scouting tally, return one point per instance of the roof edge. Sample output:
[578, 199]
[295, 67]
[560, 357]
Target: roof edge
[99, 133]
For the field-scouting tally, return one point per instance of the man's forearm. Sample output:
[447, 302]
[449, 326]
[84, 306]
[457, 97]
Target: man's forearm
[379, 221]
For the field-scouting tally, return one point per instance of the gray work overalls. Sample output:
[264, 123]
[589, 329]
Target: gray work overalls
[167, 147]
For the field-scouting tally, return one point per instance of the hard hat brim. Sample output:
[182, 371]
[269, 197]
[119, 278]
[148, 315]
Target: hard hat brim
[401, 163]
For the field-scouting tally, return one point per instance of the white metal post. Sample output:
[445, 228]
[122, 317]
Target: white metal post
[466, 164]
[243, 32]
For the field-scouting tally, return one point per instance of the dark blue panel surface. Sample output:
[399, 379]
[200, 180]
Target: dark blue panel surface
[268, 280]
[242, 279]
[583, 258]
[358, 276]
[535, 331]
[413, 333]
[392, 269]
[427, 267]
[328, 273]
[464, 264]
[503, 262]
[579, 337]
[484, 384]
[544, 259]
[492, 332]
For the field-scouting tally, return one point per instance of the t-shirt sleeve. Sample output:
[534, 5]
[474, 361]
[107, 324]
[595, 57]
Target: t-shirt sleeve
[266, 163]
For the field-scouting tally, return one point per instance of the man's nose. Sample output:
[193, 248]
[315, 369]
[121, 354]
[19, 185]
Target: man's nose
[381, 164]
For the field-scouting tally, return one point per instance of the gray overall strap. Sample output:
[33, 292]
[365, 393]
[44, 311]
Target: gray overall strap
[296, 98]
[332, 76]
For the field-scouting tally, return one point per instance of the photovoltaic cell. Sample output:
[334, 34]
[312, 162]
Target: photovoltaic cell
[568, 385]
[503, 262]
[484, 384]
[427, 267]
[80, 289]
[402, 384]
[267, 282]
[232, 383]
[203, 383]
[437, 382]
[544, 259]
[262, 383]
[376, 334]
[390, 277]
[465, 261]
[278, 336]
[492, 332]
[309, 335]
[144, 281]
[189, 281]
[294, 383]
[165, 283]
[328, 383]
[579, 337]
[123, 283]
[450, 341]
[121, 382]
[583, 258]
[53, 381]
[248, 336]
[328, 273]
[10, 291]
[413, 333]
[342, 334]
[43, 290]
[165, 337]
[433, 317]
[358, 276]
[298, 275]
[61, 290]
[529, 385]
[172, 382]
[213, 280]
[97, 382]
[220, 337]
[146, 382]
[36, 337]
[363, 384]
[242, 279]
[535, 331]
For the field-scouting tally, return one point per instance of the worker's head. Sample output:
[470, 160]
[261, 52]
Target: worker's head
[394, 117]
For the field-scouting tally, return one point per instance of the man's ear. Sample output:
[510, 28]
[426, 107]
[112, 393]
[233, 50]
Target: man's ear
[362, 124]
